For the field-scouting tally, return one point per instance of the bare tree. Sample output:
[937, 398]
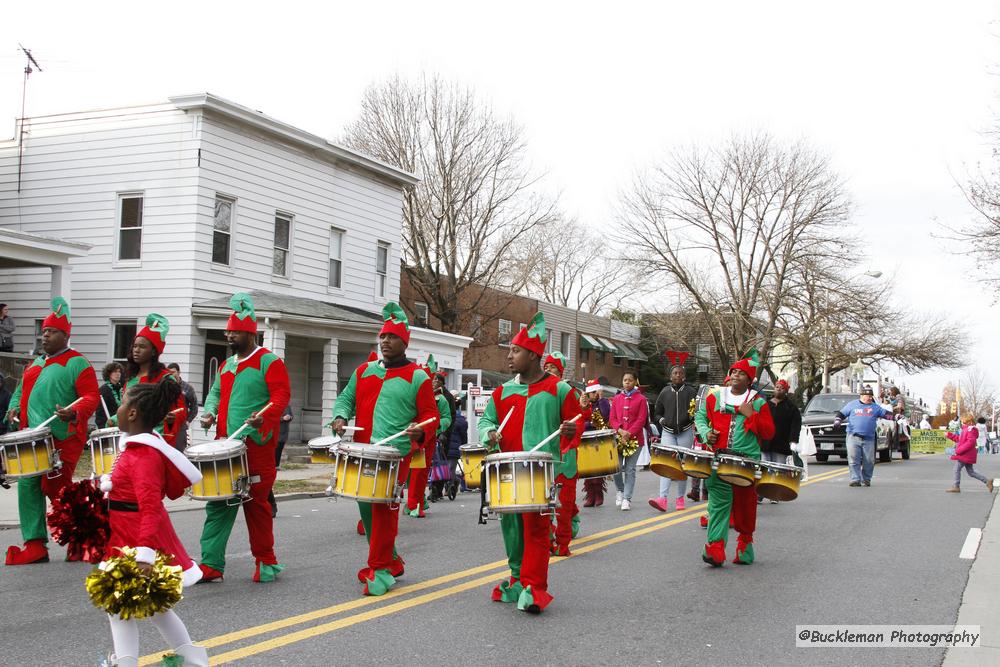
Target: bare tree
[983, 235]
[978, 395]
[463, 222]
[729, 224]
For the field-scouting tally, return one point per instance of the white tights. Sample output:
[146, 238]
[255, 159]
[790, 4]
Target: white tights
[125, 635]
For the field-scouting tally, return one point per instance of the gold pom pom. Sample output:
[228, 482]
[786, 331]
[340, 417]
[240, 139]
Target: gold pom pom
[120, 588]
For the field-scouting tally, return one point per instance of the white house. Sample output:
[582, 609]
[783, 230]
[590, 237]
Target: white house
[184, 203]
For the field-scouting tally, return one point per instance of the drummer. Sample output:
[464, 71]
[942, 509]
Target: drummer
[567, 514]
[50, 386]
[417, 486]
[596, 413]
[250, 380]
[735, 419]
[552, 403]
[386, 397]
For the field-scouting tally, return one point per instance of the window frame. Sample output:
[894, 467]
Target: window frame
[500, 332]
[231, 248]
[382, 278]
[120, 199]
[565, 341]
[290, 219]
[425, 319]
[113, 338]
[334, 231]
[309, 398]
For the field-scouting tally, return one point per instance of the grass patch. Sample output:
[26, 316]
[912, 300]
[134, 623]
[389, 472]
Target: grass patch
[299, 486]
[294, 466]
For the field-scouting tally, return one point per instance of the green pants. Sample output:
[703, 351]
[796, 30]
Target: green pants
[31, 509]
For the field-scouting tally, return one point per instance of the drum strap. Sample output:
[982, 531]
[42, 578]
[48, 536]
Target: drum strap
[122, 506]
[482, 497]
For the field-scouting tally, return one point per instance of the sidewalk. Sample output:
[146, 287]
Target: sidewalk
[319, 473]
[981, 601]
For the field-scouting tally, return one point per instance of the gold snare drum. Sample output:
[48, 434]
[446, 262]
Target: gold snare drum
[369, 473]
[737, 470]
[597, 454]
[224, 470]
[697, 463]
[104, 449]
[667, 461]
[472, 464]
[518, 482]
[779, 481]
[321, 449]
[28, 453]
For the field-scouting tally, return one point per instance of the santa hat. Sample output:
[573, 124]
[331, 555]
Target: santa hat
[593, 385]
[155, 331]
[395, 322]
[533, 336]
[244, 318]
[59, 318]
[748, 365]
[782, 383]
[558, 360]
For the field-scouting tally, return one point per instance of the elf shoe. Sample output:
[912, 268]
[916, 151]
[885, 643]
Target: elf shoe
[34, 551]
[379, 584]
[659, 504]
[533, 602]
[589, 492]
[714, 554]
[574, 526]
[208, 574]
[365, 573]
[704, 521]
[679, 505]
[397, 568]
[507, 591]
[361, 527]
[693, 495]
[744, 550]
[266, 572]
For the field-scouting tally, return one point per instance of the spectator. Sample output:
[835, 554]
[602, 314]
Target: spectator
[451, 449]
[862, 418]
[190, 402]
[629, 416]
[674, 415]
[787, 424]
[111, 393]
[925, 422]
[965, 454]
[6, 330]
[981, 439]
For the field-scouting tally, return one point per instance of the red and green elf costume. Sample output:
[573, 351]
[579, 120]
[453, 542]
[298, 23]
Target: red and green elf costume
[538, 410]
[155, 332]
[53, 380]
[742, 436]
[385, 399]
[241, 389]
[567, 514]
[417, 486]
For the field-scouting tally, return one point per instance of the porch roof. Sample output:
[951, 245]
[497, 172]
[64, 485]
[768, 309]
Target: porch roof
[271, 304]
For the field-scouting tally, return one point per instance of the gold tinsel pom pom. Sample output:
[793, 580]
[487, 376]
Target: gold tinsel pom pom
[120, 588]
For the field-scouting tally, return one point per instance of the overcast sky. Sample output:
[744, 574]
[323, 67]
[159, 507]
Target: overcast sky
[899, 93]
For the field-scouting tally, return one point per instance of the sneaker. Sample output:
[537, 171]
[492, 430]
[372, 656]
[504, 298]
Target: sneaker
[658, 504]
[854, 484]
[679, 504]
[867, 482]
[626, 505]
[953, 489]
[989, 485]
[618, 499]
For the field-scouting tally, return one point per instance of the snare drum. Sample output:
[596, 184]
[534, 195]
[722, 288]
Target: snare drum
[321, 448]
[779, 481]
[472, 464]
[737, 470]
[28, 453]
[518, 482]
[104, 449]
[224, 470]
[667, 461]
[697, 463]
[597, 454]
[366, 472]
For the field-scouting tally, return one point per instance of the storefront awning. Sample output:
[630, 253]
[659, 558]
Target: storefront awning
[609, 346]
[593, 343]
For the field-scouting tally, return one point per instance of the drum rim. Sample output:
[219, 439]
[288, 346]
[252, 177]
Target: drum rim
[218, 454]
[780, 466]
[26, 435]
[525, 455]
[379, 452]
[470, 447]
[333, 440]
[104, 432]
[672, 448]
[598, 432]
[736, 459]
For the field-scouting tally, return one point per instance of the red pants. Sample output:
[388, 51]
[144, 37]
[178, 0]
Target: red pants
[381, 522]
[526, 540]
[566, 511]
[417, 486]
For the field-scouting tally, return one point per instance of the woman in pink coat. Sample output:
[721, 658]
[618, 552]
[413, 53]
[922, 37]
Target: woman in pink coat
[965, 454]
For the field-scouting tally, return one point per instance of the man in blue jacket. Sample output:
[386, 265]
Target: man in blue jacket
[862, 418]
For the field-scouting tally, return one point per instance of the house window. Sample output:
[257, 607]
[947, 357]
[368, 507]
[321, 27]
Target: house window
[122, 335]
[382, 269]
[38, 337]
[477, 327]
[129, 227]
[336, 258]
[600, 356]
[564, 344]
[314, 386]
[422, 314]
[282, 243]
[549, 346]
[616, 360]
[703, 352]
[584, 355]
[222, 229]
[503, 332]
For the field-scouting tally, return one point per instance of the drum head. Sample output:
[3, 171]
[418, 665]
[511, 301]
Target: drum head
[26, 435]
[598, 435]
[520, 457]
[364, 451]
[779, 467]
[472, 448]
[324, 442]
[113, 432]
[215, 450]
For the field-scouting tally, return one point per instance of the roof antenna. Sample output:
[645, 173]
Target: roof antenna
[24, 90]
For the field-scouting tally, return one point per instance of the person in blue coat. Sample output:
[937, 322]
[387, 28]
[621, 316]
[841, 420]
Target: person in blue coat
[862, 418]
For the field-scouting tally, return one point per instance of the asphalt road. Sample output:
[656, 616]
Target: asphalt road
[636, 591]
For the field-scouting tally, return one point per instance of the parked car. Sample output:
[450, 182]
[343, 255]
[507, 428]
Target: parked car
[832, 441]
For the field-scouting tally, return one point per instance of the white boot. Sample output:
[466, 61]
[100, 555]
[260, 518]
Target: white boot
[194, 656]
[125, 661]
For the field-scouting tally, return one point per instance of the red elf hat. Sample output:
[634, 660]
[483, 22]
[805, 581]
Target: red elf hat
[59, 318]
[244, 318]
[155, 331]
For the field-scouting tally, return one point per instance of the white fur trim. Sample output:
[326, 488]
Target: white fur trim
[179, 461]
[105, 482]
[145, 555]
[191, 576]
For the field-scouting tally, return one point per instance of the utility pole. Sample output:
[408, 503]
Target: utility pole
[24, 93]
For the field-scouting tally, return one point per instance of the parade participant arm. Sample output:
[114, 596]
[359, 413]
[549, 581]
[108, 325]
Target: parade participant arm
[759, 421]
[88, 396]
[701, 423]
[279, 393]
[569, 431]
[488, 424]
[15, 401]
[444, 411]
[212, 403]
[149, 481]
[343, 407]
[427, 410]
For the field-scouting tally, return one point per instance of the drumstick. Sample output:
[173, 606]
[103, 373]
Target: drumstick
[504, 422]
[426, 422]
[245, 425]
[553, 434]
[56, 414]
[346, 428]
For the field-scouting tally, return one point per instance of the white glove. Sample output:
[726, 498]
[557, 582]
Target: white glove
[794, 447]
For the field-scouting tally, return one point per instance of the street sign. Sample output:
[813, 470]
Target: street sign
[475, 391]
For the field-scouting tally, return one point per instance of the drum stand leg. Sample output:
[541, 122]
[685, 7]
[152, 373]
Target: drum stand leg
[56, 465]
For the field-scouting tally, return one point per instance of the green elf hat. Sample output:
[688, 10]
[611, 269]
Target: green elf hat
[59, 318]
[155, 331]
[395, 322]
[533, 336]
[749, 364]
[558, 360]
[432, 365]
[244, 318]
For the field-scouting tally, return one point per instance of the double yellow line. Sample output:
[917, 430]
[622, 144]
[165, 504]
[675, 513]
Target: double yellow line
[495, 570]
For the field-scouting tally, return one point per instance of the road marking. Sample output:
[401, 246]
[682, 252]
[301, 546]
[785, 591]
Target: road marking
[496, 568]
[971, 545]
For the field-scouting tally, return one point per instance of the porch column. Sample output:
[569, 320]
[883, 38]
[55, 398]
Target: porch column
[274, 340]
[62, 282]
[331, 365]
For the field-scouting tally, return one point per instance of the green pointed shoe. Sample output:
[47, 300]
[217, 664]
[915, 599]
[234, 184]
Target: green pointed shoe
[380, 584]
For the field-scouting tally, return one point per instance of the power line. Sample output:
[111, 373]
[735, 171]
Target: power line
[24, 91]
